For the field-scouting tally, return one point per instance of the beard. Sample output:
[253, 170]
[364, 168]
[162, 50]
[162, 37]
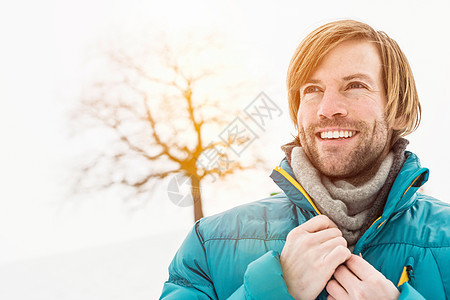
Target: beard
[359, 160]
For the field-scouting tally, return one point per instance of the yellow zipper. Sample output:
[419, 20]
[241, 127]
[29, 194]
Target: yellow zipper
[404, 277]
[412, 183]
[298, 186]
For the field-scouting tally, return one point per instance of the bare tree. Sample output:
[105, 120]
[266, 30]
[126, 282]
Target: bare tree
[159, 113]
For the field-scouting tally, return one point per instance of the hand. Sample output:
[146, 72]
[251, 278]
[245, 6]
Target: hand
[358, 279]
[310, 256]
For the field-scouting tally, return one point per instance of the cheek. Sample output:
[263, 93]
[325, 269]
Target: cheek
[369, 112]
[372, 105]
[299, 119]
[301, 122]
[304, 115]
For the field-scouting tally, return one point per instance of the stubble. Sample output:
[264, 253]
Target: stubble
[360, 163]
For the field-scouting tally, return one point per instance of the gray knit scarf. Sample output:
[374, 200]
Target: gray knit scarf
[352, 208]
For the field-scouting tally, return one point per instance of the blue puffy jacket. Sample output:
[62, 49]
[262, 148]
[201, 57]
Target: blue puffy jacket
[235, 254]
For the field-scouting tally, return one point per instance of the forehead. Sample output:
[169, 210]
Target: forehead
[348, 58]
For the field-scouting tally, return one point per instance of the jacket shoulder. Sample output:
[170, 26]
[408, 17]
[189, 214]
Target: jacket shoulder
[266, 219]
[424, 224]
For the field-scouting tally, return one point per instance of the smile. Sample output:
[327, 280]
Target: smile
[337, 134]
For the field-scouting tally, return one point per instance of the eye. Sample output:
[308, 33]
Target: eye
[311, 89]
[356, 85]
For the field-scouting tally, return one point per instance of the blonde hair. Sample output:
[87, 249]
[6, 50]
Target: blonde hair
[401, 94]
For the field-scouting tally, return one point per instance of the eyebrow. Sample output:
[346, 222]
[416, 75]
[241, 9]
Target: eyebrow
[346, 78]
[359, 76]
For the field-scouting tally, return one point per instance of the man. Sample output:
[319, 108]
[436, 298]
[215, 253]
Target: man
[350, 223]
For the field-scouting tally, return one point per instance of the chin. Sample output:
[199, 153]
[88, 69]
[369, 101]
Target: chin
[335, 173]
[333, 169]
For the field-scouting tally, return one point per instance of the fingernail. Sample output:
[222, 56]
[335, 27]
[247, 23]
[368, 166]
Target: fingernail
[360, 255]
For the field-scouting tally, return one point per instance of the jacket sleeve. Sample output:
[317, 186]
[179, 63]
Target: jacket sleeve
[189, 276]
[188, 272]
[263, 279]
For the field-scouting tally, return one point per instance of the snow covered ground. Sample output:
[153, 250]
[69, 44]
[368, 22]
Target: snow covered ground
[134, 269]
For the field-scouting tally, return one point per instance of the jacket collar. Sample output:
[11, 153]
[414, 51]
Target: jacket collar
[410, 178]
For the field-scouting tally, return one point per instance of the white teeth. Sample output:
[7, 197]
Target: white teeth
[337, 134]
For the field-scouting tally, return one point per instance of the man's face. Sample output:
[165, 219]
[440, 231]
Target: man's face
[341, 120]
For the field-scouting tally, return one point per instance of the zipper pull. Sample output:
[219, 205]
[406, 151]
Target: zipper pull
[409, 270]
[407, 276]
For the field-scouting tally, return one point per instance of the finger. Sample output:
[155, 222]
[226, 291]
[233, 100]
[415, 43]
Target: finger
[360, 267]
[330, 297]
[346, 278]
[335, 290]
[332, 243]
[337, 256]
[317, 223]
[326, 235]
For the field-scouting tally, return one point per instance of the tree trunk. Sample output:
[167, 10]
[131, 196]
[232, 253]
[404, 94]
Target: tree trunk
[197, 197]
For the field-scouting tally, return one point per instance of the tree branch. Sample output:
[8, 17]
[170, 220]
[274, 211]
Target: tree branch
[143, 181]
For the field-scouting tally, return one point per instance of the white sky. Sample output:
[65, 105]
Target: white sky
[43, 52]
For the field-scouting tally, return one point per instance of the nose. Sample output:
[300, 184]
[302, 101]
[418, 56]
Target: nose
[332, 105]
